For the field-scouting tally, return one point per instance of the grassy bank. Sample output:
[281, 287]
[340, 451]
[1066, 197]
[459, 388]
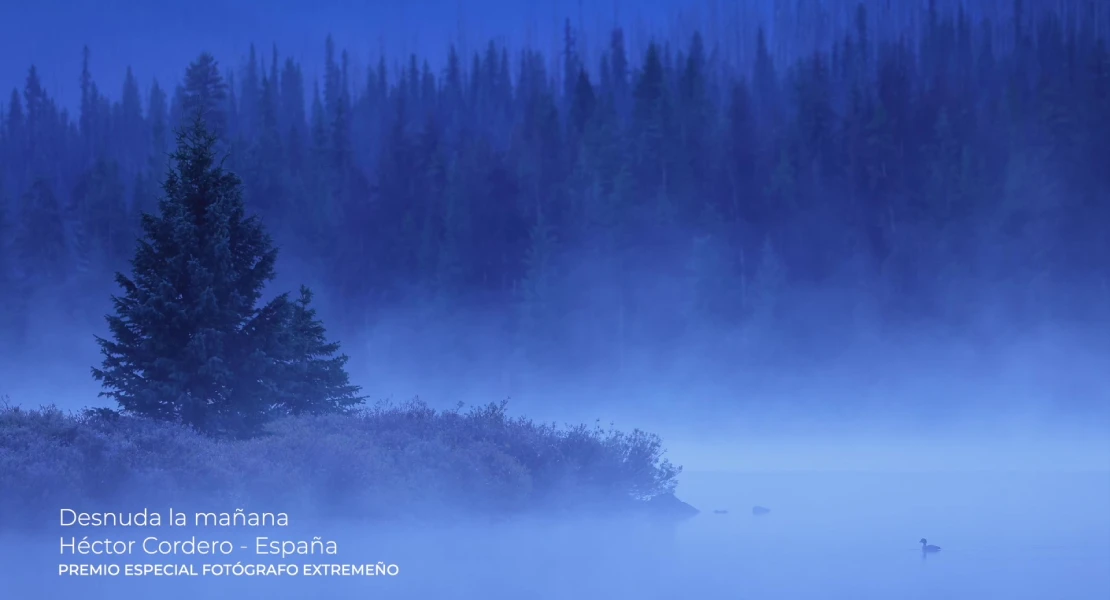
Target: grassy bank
[382, 463]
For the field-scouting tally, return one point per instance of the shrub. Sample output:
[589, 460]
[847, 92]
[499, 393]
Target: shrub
[383, 462]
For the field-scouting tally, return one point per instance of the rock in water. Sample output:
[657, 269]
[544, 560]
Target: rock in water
[759, 510]
[669, 506]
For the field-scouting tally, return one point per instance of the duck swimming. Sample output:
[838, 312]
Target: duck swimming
[926, 547]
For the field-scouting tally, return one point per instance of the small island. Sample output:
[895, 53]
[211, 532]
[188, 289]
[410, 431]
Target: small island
[226, 400]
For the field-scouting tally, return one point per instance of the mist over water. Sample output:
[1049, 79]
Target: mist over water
[997, 452]
[833, 534]
[982, 423]
[856, 462]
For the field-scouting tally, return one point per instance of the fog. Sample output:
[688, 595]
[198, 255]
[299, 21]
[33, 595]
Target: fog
[880, 393]
[856, 460]
[996, 450]
[1003, 401]
[830, 533]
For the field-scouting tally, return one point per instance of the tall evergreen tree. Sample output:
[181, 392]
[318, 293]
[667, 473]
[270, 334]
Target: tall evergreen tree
[205, 92]
[87, 118]
[583, 102]
[188, 339]
[249, 95]
[571, 66]
[6, 235]
[158, 120]
[98, 208]
[40, 241]
[130, 130]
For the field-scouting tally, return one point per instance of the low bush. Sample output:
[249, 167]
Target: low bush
[382, 463]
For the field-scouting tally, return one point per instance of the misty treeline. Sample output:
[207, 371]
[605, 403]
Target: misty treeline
[909, 176]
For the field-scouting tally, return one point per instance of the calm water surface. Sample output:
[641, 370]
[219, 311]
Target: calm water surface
[829, 535]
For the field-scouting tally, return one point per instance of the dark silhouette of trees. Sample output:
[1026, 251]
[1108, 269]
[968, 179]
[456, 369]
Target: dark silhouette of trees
[921, 160]
[190, 341]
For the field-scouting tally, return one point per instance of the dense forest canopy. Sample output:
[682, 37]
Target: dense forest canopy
[635, 197]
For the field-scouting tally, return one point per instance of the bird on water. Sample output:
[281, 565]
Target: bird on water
[926, 547]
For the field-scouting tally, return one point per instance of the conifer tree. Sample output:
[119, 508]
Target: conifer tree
[158, 120]
[205, 91]
[312, 378]
[583, 103]
[188, 340]
[6, 231]
[40, 235]
[12, 318]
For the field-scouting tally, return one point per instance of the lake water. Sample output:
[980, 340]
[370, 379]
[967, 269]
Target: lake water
[828, 535]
